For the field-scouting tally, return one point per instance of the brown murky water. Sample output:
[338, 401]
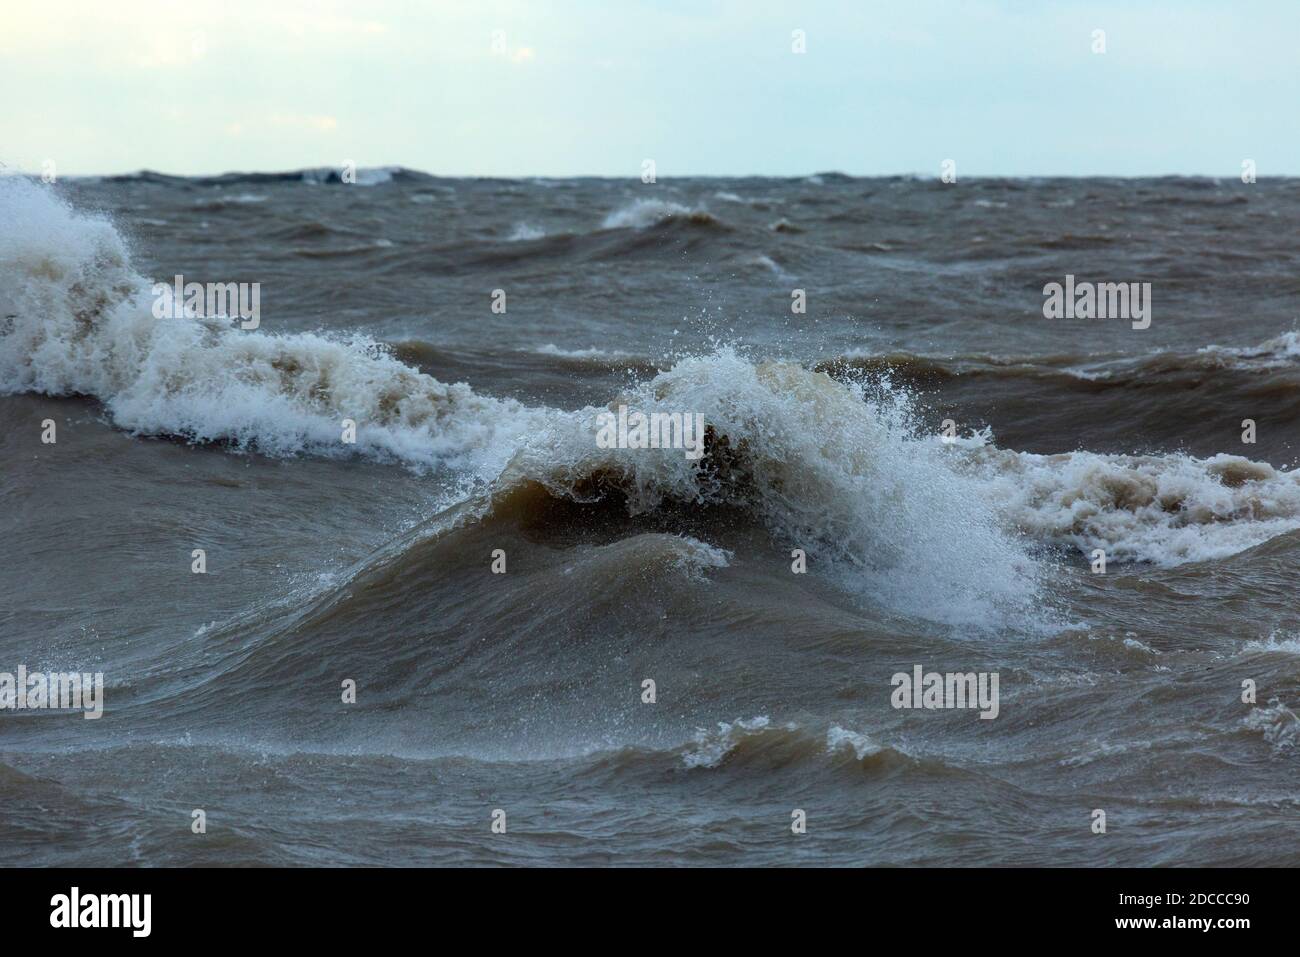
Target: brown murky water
[372, 561]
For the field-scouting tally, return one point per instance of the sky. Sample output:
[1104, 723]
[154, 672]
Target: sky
[569, 87]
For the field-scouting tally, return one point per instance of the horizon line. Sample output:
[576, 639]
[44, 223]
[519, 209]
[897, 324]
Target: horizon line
[398, 168]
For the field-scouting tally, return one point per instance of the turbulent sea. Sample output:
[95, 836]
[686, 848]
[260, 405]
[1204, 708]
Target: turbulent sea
[372, 562]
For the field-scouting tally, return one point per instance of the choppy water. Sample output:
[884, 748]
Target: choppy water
[522, 691]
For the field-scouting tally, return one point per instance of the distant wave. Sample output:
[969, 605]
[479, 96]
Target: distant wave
[1282, 351]
[551, 349]
[523, 232]
[758, 742]
[221, 203]
[649, 212]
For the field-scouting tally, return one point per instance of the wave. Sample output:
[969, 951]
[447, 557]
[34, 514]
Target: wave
[224, 203]
[821, 465]
[768, 264]
[525, 232]
[1279, 351]
[759, 742]
[1285, 644]
[81, 322]
[604, 356]
[761, 745]
[643, 213]
[1109, 403]
[947, 532]
[1279, 725]
[1282, 351]
[784, 225]
[627, 233]
[1164, 509]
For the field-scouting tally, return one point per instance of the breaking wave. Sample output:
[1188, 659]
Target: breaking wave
[828, 465]
[1163, 509]
[1281, 350]
[78, 320]
[651, 212]
[760, 743]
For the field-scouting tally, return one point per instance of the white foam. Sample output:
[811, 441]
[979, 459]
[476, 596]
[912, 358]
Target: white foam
[1165, 509]
[1288, 644]
[695, 557]
[838, 738]
[551, 349]
[84, 325]
[1279, 724]
[766, 262]
[243, 199]
[1281, 350]
[710, 747]
[525, 233]
[1139, 646]
[644, 212]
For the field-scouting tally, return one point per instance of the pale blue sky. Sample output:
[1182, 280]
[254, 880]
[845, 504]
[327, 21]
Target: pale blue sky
[1004, 87]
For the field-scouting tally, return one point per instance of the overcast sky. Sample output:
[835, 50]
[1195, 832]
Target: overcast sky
[1003, 87]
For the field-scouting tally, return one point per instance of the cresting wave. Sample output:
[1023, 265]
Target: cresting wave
[758, 741]
[831, 465]
[78, 320]
[1163, 509]
[650, 212]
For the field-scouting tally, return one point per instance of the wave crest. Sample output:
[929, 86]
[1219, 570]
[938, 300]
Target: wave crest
[650, 212]
[81, 322]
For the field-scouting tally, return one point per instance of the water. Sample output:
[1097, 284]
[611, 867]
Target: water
[371, 562]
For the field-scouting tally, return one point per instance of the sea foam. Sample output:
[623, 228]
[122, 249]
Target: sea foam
[78, 320]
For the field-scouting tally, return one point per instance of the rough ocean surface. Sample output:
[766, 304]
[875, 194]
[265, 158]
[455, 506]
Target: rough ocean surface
[371, 562]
